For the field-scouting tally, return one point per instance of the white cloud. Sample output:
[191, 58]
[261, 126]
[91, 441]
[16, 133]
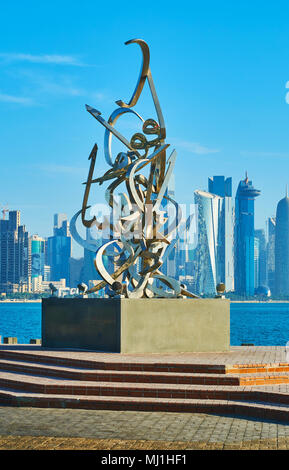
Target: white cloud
[41, 59]
[54, 88]
[193, 147]
[15, 99]
[100, 96]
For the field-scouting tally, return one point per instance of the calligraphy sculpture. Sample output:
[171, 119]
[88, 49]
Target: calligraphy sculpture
[141, 235]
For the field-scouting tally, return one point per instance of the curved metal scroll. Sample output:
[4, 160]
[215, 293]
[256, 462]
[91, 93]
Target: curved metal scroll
[137, 232]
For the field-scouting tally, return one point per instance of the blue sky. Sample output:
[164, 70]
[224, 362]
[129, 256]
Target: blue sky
[220, 70]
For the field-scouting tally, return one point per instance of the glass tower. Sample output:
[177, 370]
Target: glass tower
[222, 187]
[37, 248]
[206, 259]
[14, 253]
[262, 261]
[59, 249]
[244, 237]
[282, 248]
[271, 224]
[172, 263]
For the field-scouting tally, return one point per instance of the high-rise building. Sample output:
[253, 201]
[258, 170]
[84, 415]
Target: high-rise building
[89, 270]
[244, 237]
[282, 248]
[170, 265]
[256, 261]
[222, 187]
[59, 249]
[37, 250]
[206, 272]
[60, 221]
[271, 228]
[47, 273]
[14, 254]
[261, 280]
[76, 271]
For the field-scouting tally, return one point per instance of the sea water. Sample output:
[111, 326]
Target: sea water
[20, 320]
[261, 324]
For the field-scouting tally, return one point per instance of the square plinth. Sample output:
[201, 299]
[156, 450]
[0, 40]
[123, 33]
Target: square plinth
[136, 325]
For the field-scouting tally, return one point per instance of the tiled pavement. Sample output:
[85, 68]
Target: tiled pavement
[54, 428]
[49, 429]
[237, 355]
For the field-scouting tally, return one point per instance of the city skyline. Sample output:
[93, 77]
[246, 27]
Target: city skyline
[228, 70]
[229, 249]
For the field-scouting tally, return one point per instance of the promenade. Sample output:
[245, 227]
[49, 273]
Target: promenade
[57, 429]
[83, 400]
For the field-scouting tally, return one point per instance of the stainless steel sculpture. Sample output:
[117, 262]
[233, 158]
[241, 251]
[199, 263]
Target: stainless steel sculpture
[140, 235]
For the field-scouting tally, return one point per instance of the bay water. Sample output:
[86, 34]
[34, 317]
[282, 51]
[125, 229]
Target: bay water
[261, 324]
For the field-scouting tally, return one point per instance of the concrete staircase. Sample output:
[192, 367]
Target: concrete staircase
[47, 380]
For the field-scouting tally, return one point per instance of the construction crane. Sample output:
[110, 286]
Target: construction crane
[4, 210]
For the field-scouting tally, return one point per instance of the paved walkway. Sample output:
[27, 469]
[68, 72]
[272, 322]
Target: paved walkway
[50, 429]
[236, 355]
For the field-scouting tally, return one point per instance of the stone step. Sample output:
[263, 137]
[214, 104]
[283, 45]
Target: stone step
[40, 356]
[44, 385]
[124, 365]
[269, 378]
[141, 377]
[257, 368]
[222, 407]
[115, 375]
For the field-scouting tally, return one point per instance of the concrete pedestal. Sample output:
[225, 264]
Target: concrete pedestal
[136, 325]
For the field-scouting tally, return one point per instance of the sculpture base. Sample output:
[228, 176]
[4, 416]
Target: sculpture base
[136, 325]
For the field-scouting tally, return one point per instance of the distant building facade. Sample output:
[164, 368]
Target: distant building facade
[172, 265]
[261, 279]
[15, 267]
[244, 237]
[206, 271]
[271, 229]
[89, 272]
[222, 187]
[282, 248]
[37, 251]
[59, 249]
[256, 262]
[76, 271]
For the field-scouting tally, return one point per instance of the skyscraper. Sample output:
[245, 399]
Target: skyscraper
[59, 219]
[261, 280]
[256, 261]
[59, 248]
[89, 271]
[282, 248]
[37, 249]
[271, 225]
[207, 274]
[244, 237]
[14, 253]
[172, 262]
[222, 187]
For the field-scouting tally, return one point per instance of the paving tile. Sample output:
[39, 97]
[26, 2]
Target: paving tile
[199, 382]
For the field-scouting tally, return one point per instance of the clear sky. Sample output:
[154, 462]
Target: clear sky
[220, 69]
